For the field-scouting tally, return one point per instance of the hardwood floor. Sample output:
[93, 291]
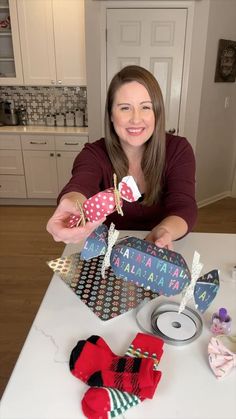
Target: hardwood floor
[25, 247]
[219, 217]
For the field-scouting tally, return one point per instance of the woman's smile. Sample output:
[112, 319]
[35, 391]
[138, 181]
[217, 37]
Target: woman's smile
[135, 131]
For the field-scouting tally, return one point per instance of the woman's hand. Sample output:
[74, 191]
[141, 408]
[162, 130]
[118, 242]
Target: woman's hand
[57, 224]
[171, 228]
[161, 237]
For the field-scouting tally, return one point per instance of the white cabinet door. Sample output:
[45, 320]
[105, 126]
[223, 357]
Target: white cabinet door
[37, 41]
[12, 186]
[52, 41]
[65, 160]
[41, 174]
[154, 39]
[10, 142]
[68, 147]
[68, 17]
[10, 54]
[11, 162]
[12, 179]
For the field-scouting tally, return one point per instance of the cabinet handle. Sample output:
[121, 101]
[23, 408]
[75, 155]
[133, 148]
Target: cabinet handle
[59, 81]
[71, 143]
[51, 154]
[53, 82]
[58, 155]
[38, 142]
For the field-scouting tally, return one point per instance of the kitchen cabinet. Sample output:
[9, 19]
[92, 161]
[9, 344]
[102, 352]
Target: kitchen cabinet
[12, 179]
[65, 161]
[48, 162]
[10, 54]
[41, 175]
[52, 42]
[40, 166]
[67, 149]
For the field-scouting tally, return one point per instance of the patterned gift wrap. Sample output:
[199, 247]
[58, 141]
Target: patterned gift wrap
[108, 297]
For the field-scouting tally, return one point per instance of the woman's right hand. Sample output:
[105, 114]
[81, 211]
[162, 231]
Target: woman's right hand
[57, 224]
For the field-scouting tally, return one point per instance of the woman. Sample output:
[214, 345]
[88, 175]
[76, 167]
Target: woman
[135, 143]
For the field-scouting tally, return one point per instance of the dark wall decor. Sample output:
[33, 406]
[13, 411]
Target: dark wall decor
[226, 61]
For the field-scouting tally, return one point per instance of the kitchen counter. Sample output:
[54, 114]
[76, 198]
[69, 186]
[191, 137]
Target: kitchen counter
[42, 387]
[43, 129]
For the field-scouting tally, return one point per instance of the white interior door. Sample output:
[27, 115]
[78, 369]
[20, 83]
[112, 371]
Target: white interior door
[154, 39]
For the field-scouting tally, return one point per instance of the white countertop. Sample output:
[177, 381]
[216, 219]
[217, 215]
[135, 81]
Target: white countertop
[42, 387]
[43, 129]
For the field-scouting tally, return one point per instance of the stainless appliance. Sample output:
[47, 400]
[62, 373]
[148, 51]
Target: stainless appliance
[1, 112]
[8, 114]
[22, 116]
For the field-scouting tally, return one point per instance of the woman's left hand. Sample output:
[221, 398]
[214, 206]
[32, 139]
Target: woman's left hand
[161, 237]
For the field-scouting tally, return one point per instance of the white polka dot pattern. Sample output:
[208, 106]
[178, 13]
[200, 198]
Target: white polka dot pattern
[103, 203]
[126, 192]
[73, 221]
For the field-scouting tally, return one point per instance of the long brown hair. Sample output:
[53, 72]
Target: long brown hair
[153, 159]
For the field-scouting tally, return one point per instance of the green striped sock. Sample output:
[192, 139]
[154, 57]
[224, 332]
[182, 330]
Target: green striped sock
[137, 353]
[121, 401]
[107, 403]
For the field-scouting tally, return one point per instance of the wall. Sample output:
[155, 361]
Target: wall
[93, 67]
[216, 139]
[196, 71]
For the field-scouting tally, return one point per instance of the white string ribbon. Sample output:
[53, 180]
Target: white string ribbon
[112, 237]
[195, 273]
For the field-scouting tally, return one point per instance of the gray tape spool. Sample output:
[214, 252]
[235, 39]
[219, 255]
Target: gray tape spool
[165, 322]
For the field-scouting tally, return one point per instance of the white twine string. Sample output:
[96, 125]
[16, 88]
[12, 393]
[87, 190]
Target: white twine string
[112, 237]
[195, 273]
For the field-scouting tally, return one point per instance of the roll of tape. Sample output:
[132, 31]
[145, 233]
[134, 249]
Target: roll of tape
[176, 326]
[165, 321]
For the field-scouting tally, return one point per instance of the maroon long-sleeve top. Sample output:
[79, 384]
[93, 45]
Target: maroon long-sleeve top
[93, 172]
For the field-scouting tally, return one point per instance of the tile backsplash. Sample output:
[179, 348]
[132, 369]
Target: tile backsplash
[40, 101]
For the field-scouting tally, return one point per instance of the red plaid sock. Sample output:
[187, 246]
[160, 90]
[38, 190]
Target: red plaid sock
[99, 368]
[140, 383]
[101, 343]
[143, 346]
[146, 346]
[106, 403]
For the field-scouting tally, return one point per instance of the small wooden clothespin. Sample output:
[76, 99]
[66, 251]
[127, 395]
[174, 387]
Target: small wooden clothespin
[82, 220]
[117, 196]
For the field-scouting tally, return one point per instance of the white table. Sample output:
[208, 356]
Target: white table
[41, 386]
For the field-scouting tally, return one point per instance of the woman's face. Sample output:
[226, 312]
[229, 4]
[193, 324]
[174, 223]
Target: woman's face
[132, 115]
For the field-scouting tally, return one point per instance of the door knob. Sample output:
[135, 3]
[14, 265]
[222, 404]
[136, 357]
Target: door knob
[172, 131]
